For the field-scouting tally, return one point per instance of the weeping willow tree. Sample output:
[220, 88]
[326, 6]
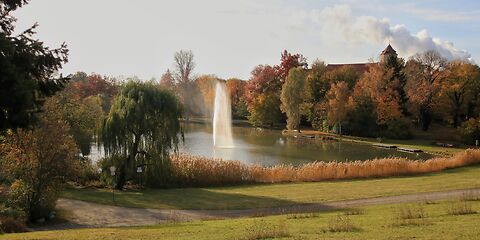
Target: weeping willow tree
[142, 128]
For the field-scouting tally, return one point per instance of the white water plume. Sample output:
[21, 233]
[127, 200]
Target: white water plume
[222, 117]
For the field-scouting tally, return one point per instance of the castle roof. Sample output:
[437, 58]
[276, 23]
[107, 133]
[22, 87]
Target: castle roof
[360, 68]
[388, 50]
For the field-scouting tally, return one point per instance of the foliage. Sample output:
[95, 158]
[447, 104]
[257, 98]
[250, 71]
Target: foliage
[262, 97]
[236, 88]
[290, 97]
[83, 117]
[470, 131]
[167, 80]
[462, 77]
[287, 62]
[424, 73]
[143, 120]
[206, 85]
[39, 161]
[83, 86]
[338, 103]
[27, 70]
[316, 87]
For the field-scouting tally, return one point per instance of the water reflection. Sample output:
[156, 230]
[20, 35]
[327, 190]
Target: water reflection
[270, 147]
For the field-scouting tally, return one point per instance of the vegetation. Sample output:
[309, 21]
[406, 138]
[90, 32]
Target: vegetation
[27, 70]
[276, 195]
[378, 222]
[290, 97]
[143, 120]
[199, 171]
[38, 161]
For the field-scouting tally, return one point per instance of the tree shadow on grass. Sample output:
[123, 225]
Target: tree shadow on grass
[184, 198]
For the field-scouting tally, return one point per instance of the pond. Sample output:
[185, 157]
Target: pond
[269, 147]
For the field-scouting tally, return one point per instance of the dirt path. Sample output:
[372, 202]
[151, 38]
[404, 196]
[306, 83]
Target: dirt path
[85, 214]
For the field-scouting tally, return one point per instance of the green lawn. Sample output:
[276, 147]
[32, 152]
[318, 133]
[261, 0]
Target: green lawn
[374, 222]
[274, 195]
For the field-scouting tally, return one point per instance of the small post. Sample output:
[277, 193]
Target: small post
[112, 172]
[477, 142]
[139, 171]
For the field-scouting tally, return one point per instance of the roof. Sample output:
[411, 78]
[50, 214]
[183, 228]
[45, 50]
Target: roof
[388, 50]
[360, 68]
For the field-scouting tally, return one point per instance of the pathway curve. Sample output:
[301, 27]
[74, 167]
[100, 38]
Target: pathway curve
[86, 214]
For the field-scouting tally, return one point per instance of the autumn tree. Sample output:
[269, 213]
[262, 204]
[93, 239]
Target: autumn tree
[314, 92]
[28, 70]
[338, 102]
[462, 77]
[39, 161]
[184, 66]
[262, 96]
[291, 96]
[167, 80]
[236, 88]
[206, 86]
[287, 62]
[424, 73]
[142, 127]
[83, 86]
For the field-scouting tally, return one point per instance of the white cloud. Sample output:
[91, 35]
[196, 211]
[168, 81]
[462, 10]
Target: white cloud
[354, 30]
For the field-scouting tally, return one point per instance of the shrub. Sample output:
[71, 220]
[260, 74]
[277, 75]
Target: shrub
[470, 131]
[263, 230]
[341, 223]
[11, 220]
[12, 225]
[87, 172]
[397, 129]
[39, 161]
[460, 208]
[410, 215]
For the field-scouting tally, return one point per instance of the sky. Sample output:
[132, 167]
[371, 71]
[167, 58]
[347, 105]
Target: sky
[229, 38]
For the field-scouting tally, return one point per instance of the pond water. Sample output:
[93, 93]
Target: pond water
[270, 147]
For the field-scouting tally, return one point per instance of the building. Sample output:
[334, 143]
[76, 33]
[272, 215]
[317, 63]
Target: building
[361, 68]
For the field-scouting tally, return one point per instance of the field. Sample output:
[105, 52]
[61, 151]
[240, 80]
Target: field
[431, 220]
[274, 195]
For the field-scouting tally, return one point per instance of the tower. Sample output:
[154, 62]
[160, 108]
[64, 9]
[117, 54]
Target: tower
[387, 52]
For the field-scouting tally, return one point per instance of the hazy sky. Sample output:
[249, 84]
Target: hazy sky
[229, 38]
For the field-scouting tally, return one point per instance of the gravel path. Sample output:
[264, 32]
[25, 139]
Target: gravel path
[86, 214]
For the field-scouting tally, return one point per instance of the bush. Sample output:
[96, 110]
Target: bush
[12, 225]
[470, 131]
[11, 220]
[38, 162]
[397, 129]
[87, 173]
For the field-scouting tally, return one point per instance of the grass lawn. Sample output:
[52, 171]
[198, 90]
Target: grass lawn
[274, 195]
[374, 222]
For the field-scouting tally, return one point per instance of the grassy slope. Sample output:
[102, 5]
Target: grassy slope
[271, 195]
[377, 222]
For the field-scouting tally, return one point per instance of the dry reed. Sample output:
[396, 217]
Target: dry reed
[200, 171]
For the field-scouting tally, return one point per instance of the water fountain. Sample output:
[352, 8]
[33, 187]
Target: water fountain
[222, 117]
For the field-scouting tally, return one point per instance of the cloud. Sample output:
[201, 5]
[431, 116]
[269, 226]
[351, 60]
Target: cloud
[339, 19]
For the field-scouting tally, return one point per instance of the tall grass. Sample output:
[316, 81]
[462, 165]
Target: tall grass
[200, 171]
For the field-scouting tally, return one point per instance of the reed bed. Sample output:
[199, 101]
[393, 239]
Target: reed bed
[200, 171]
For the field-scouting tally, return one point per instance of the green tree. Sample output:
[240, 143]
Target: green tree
[143, 120]
[83, 116]
[27, 70]
[291, 97]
